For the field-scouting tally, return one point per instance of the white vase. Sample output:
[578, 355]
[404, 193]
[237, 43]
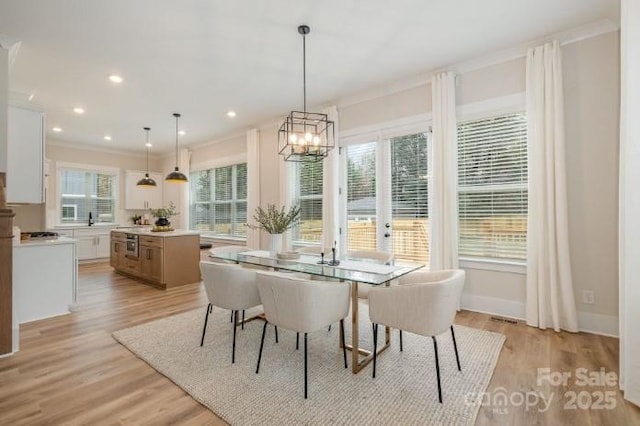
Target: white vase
[275, 244]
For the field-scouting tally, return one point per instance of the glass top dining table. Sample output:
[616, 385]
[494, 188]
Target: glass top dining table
[353, 270]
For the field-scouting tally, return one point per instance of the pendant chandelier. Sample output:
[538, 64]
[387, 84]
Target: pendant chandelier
[146, 181]
[305, 136]
[176, 176]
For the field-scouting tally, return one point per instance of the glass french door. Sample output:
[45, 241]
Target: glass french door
[386, 197]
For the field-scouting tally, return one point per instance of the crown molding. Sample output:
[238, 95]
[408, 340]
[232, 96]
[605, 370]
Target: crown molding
[569, 36]
[573, 35]
[12, 45]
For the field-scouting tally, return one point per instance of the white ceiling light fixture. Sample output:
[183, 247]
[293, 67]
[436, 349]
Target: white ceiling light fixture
[107, 137]
[176, 176]
[116, 79]
[146, 181]
[79, 110]
[57, 129]
[305, 136]
[182, 133]
[231, 114]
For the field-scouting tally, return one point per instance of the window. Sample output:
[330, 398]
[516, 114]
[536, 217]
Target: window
[84, 192]
[492, 187]
[387, 196]
[362, 211]
[219, 201]
[410, 197]
[69, 212]
[308, 195]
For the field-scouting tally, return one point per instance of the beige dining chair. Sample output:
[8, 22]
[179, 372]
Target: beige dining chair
[377, 256]
[303, 306]
[234, 248]
[424, 303]
[229, 286]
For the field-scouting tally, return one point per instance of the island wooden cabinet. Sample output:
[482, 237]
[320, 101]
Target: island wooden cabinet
[163, 259]
[151, 256]
[118, 248]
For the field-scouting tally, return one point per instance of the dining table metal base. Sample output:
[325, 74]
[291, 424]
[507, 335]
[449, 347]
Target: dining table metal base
[357, 362]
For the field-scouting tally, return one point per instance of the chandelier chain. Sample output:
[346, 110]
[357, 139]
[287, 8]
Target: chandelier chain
[304, 72]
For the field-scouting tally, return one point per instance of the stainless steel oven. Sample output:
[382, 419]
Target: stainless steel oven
[132, 250]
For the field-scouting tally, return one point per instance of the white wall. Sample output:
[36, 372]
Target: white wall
[226, 148]
[592, 102]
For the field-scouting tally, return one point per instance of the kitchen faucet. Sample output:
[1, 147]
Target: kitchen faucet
[90, 219]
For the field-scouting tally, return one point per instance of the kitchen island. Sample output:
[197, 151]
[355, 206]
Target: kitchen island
[162, 259]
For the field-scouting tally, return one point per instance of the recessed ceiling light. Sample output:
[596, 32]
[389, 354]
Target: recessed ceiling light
[182, 133]
[148, 145]
[107, 137]
[116, 79]
[78, 110]
[57, 129]
[231, 113]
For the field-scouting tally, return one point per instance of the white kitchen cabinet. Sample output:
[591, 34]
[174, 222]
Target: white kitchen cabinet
[25, 156]
[92, 243]
[145, 197]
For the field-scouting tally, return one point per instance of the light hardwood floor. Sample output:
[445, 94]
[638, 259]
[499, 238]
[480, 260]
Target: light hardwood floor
[70, 371]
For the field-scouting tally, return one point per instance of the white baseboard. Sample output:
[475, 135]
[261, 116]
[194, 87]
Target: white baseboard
[8, 355]
[606, 325]
[493, 306]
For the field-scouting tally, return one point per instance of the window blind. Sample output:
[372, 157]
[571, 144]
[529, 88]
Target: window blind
[218, 200]
[83, 192]
[361, 196]
[409, 197]
[492, 187]
[308, 195]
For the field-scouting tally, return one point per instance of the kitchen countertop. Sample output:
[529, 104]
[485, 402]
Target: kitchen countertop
[43, 242]
[148, 232]
[84, 226]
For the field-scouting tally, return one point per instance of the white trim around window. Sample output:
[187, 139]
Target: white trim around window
[61, 166]
[219, 162]
[516, 102]
[496, 265]
[387, 130]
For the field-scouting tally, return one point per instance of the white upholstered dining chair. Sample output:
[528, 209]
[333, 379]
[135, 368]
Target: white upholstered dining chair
[377, 256]
[303, 306]
[424, 303]
[229, 286]
[234, 248]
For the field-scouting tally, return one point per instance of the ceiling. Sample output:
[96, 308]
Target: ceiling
[204, 57]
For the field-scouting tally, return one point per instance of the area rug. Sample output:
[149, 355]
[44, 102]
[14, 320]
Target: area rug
[403, 392]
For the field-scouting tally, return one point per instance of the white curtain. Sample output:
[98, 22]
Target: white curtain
[443, 195]
[550, 301]
[253, 185]
[330, 187]
[182, 196]
[286, 170]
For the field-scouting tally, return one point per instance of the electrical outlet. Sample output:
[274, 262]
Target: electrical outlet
[588, 297]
